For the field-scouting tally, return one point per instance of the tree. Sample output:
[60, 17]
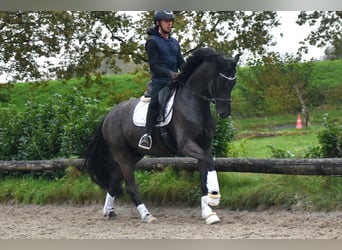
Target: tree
[327, 32]
[275, 84]
[334, 51]
[30, 42]
[227, 31]
[30, 38]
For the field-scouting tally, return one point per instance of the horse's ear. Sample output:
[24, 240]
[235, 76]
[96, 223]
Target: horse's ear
[236, 58]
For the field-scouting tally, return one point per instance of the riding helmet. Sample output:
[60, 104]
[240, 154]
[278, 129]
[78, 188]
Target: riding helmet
[163, 15]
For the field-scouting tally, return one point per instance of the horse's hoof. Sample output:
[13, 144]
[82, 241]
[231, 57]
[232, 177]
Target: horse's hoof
[112, 214]
[150, 219]
[212, 218]
[109, 214]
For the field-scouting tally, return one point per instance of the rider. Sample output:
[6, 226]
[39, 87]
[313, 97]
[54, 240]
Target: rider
[165, 59]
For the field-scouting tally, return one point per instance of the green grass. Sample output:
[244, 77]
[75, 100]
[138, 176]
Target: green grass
[238, 190]
[30, 190]
[108, 89]
[324, 73]
[258, 147]
[255, 134]
[272, 122]
[246, 190]
[250, 191]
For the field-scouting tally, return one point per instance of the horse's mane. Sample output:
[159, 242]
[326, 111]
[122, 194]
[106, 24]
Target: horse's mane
[193, 61]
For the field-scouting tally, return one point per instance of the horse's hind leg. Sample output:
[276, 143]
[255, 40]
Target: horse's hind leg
[132, 191]
[145, 215]
[114, 191]
[108, 208]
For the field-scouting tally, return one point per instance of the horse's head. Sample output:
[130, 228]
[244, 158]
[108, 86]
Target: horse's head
[211, 76]
[221, 87]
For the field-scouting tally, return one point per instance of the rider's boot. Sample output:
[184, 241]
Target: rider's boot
[145, 141]
[147, 93]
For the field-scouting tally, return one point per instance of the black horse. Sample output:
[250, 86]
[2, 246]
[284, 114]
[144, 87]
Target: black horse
[111, 156]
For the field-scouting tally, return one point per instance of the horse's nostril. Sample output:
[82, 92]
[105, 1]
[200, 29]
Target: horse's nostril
[224, 115]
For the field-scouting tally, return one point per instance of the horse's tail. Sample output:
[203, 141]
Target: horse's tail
[99, 161]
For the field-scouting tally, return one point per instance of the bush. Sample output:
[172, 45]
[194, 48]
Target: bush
[280, 153]
[267, 87]
[224, 134]
[330, 139]
[10, 132]
[59, 127]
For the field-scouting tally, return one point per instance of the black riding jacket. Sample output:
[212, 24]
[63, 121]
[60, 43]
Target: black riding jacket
[164, 56]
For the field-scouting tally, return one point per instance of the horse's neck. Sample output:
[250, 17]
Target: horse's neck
[196, 90]
[199, 83]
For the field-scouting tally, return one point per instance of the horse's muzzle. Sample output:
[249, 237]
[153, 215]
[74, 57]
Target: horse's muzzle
[223, 107]
[224, 114]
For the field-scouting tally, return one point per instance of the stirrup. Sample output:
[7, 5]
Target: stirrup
[143, 143]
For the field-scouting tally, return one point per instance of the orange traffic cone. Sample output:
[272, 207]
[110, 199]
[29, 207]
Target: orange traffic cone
[299, 122]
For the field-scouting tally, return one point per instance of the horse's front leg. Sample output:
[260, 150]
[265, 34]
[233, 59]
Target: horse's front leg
[214, 195]
[210, 190]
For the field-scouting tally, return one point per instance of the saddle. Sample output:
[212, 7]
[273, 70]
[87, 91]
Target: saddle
[140, 112]
[166, 99]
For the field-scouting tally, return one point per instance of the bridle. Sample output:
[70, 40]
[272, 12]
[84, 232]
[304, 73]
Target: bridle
[215, 99]
[228, 77]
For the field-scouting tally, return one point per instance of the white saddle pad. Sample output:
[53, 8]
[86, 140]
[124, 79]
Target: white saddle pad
[140, 113]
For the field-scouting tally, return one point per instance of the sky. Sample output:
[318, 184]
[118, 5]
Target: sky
[291, 32]
[292, 35]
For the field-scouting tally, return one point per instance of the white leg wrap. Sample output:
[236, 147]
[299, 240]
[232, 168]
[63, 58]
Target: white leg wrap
[207, 213]
[143, 211]
[206, 210]
[212, 182]
[145, 214]
[109, 205]
[214, 196]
